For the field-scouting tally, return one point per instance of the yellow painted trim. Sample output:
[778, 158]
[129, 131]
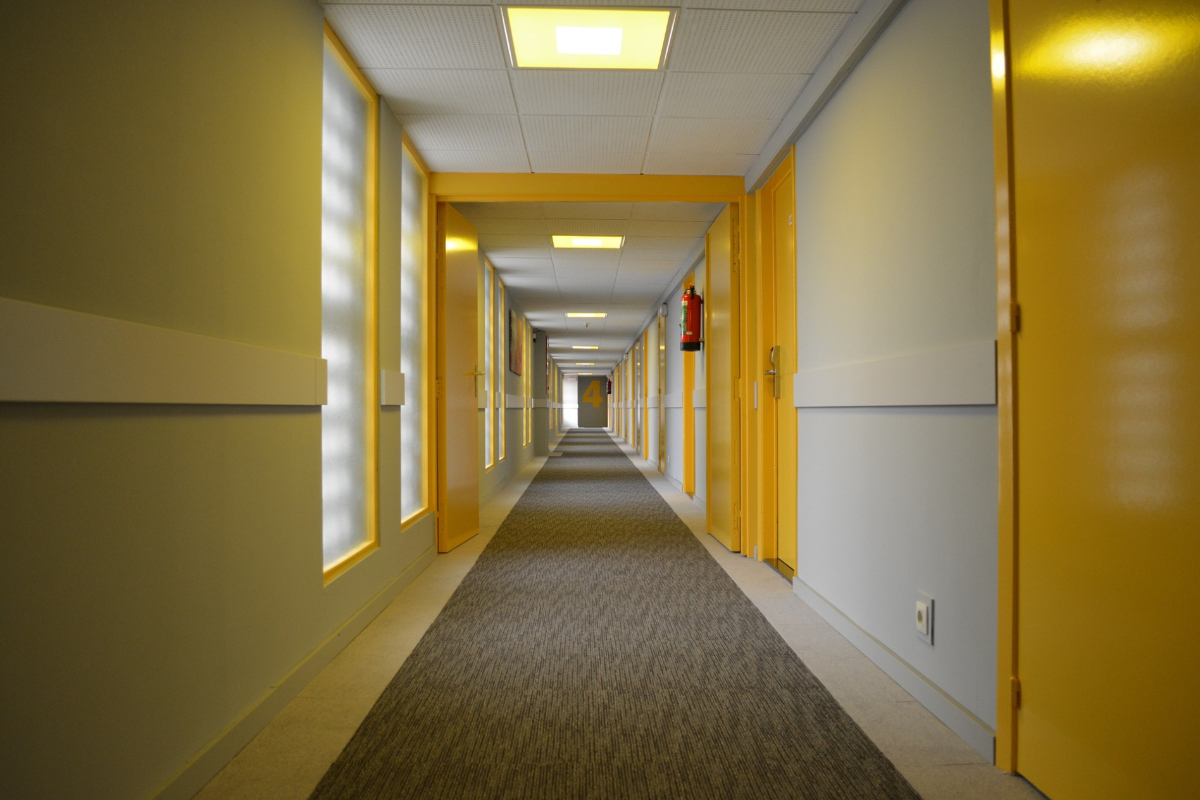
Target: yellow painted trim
[689, 410]
[371, 478]
[541, 187]
[1006, 357]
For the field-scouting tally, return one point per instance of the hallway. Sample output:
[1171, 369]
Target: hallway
[440, 398]
[597, 648]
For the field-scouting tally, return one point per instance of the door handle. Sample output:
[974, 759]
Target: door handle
[776, 357]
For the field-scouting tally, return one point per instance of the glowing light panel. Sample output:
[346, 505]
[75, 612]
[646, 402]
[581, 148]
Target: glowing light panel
[593, 242]
[588, 38]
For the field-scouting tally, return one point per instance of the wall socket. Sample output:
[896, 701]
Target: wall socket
[924, 618]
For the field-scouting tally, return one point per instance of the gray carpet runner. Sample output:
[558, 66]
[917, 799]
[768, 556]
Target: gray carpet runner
[596, 650]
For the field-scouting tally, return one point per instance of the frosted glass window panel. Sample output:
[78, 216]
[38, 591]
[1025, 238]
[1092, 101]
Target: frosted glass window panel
[344, 319]
[488, 348]
[414, 221]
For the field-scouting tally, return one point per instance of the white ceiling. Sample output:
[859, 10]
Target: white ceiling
[660, 239]
[734, 69]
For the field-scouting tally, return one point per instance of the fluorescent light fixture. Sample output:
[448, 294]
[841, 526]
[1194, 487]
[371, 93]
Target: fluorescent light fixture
[585, 347]
[585, 363]
[588, 314]
[583, 373]
[588, 38]
[596, 242]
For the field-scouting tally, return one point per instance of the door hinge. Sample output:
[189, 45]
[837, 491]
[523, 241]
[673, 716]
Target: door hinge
[1014, 317]
[1015, 691]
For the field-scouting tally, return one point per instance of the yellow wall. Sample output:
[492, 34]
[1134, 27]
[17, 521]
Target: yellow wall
[163, 563]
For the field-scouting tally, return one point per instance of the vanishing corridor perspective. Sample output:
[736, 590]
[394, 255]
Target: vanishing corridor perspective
[594, 399]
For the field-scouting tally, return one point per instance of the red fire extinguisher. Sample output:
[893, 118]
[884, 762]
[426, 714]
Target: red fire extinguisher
[691, 319]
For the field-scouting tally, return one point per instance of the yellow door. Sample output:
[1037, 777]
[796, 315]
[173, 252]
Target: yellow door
[1106, 191]
[720, 371]
[778, 351]
[458, 371]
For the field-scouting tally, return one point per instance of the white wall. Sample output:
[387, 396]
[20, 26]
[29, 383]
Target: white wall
[674, 389]
[895, 255]
[701, 432]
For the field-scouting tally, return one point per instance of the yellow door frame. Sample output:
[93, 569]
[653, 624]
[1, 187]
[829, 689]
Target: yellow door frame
[646, 393]
[774, 468]
[1007, 692]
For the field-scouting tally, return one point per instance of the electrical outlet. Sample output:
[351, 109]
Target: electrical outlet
[924, 618]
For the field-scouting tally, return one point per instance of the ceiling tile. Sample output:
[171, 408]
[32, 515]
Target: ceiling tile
[444, 91]
[658, 264]
[674, 245]
[594, 92]
[468, 161]
[847, 6]
[588, 210]
[754, 41]
[474, 132]
[585, 162]
[664, 228]
[487, 225]
[494, 241]
[730, 95]
[498, 254]
[691, 212]
[564, 134]
[684, 135]
[473, 211]
[575, 263]
[697, 164]
[424, 36]
[587, 227]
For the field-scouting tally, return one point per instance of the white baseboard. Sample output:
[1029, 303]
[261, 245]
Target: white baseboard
[973, 730]
[227, 744]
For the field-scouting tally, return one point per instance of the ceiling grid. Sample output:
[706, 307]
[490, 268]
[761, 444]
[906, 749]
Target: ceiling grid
[734, 68]
[733, 72]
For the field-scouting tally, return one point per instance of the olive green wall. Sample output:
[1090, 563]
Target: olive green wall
[163, 591]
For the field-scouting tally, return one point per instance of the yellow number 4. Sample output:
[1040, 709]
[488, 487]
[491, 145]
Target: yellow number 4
[593, 394]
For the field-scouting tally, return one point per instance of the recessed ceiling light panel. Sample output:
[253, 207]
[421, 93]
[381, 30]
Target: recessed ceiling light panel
[588, 38]
[585, 347]
[589, 242]
[588, 314]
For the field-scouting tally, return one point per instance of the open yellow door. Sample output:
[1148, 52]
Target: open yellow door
[1106, 192]
[458, 373]
[720, 373]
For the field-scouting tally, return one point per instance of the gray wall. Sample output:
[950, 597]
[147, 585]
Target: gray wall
[590, 416]
[895, 255]
[163, 563]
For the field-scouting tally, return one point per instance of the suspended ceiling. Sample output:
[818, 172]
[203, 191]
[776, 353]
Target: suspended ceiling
[661, 239]
[734, 68]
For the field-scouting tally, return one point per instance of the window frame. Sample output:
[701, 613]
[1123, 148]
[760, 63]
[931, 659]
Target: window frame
[371, 284]
[427, 382]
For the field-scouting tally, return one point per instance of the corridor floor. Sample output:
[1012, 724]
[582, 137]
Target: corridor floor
[597, 648]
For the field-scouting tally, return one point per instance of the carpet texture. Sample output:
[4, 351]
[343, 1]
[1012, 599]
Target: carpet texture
[596, 650]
